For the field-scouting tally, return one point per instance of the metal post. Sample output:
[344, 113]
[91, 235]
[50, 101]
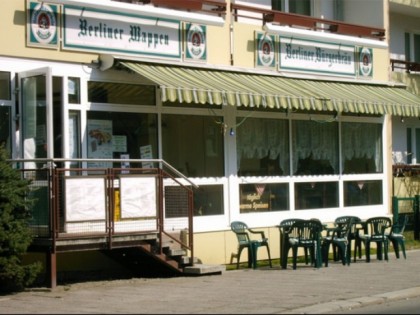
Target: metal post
[416, 218]
[395, 209]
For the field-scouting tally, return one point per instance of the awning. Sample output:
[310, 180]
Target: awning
[197, 85]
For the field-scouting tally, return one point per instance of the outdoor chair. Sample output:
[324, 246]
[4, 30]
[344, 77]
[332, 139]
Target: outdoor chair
[375, 230]
[352, 236]
[284, 238]
[304, 234]
[340, 239]
[243, 234]
[396, 236]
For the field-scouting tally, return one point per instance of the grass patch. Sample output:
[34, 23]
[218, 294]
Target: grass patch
[410, 244]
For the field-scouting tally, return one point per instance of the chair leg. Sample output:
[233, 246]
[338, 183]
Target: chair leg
[294, 249]
[238, 257]
[367, 250]
[403, 249]
[285, 254]
[386, 245]
[325, 252]
[269, 256]
[254, 249]
[395, 245]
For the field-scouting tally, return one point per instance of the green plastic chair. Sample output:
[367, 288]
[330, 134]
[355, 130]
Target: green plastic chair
[340, 239]
[396, 236]
[375, 230]
[284, 239]
[352, 236]
[307, 235]
[242, 232]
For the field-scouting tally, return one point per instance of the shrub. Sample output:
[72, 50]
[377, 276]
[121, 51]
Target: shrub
[15, 235]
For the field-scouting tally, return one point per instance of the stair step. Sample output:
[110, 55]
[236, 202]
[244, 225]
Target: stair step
[185, 260]
[203, 269]
[176, 252]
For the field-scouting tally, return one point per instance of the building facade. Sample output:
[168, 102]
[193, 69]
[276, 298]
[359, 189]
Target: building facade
[274, 109]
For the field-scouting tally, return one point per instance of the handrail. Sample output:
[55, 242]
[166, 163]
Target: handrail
[292, 19]
[51, 162]
[409, 66]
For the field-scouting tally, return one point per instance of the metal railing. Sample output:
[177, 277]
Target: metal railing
[408, 66]
[414, 214]
[108, 203]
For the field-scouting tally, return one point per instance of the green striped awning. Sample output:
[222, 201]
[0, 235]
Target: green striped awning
[197, 85]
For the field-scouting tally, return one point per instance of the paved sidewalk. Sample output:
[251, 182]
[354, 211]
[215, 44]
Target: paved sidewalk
[260, 291]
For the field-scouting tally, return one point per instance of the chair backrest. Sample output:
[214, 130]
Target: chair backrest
[344, 219]
[286, 224]
[306, 230]
[345, 226]
[377, 226]
[240, 229]
[399, 226]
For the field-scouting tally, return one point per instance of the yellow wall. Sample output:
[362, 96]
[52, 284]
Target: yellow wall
[13, 37]
[217, 247]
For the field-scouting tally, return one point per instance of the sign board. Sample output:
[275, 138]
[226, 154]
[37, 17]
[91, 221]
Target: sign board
[113, 32]
[301, 55]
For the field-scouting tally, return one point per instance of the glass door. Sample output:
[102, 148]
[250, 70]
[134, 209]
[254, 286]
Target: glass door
[36, 120]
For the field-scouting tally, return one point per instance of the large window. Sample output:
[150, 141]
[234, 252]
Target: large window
[315, 147]
[193, 144]
[361, 148]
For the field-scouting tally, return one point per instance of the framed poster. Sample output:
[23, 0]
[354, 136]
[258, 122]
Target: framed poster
[195, 43]
[85, 199]
[42, 25]
[265, 56]
[100, 141]
[138, 197]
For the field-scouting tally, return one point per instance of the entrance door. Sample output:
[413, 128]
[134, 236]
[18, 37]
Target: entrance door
[36, 126]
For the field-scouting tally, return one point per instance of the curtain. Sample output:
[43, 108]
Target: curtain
[316, 139]
[362, 140]
[259, 138]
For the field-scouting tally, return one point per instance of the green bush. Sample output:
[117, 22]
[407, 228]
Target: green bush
[15, 235]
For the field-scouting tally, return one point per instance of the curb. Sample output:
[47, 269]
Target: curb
[335, 306]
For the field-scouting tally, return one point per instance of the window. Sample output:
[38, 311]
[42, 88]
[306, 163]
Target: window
[264, 197]
[412, 47]
[5, 131]
[362, 193]
[293, 6]
[316, 195]
[74, 90]
[5, 93]
[362, 148]
[116, 135]
[315, 147]
[262, 147]
[121, 93]
[208, 200]
[193, 144]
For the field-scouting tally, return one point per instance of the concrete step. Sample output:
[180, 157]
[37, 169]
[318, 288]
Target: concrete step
[204, 270]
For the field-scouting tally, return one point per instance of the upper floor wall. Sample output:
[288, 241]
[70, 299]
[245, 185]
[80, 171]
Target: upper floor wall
[405, 30]
[234, 43]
